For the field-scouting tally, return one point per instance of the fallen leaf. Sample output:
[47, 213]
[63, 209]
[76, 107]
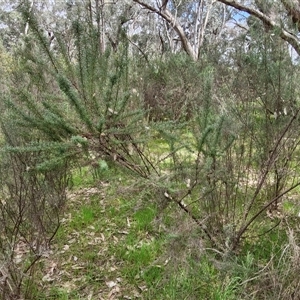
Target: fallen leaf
[47, 278]
[110, 284]
[114, 291]
[77, 267]
[143, 288]
[66, 247]
[123, 232]
[102, 237]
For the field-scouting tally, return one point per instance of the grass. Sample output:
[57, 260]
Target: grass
[114, 245]
[116, 241]
[107, 245]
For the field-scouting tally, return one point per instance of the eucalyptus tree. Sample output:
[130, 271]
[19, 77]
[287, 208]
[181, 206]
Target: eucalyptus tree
[75, 98]
[192, 23]
[52, 15]
[280, 15]
[11, 24]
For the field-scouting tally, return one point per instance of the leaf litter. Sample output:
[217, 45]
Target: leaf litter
[84, 262]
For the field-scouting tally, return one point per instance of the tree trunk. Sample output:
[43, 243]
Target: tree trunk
[166, 14]
[284, 33]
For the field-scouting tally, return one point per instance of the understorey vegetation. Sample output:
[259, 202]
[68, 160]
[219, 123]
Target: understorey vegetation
[125, 174]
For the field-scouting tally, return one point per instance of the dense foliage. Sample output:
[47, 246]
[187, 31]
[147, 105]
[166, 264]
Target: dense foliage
[203, 134]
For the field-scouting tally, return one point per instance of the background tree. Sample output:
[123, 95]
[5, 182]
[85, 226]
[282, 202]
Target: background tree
[108, 117]
[193, 22]
[280, 15]
[194, 105]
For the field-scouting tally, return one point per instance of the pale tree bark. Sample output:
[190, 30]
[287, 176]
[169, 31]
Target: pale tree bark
[27, 23]
[100, 24]
[201, 29]
[192, 41]
[166, 14]
[293, 9]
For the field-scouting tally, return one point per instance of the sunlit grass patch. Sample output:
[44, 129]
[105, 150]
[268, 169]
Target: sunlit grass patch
[82, 177]
[144, 217]
[139, 260]
[187, 280]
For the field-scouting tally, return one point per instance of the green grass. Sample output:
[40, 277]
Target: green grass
[144, 217]
[82, 177]
[103, 238]
[115, 240]
[59, 294]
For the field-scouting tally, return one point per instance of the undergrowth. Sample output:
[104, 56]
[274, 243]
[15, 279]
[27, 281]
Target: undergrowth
[128, 247]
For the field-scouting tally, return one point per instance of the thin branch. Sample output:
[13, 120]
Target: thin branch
[203, 27]
[195, 219]
[166, 14]
[140, 49]
[269, 163]
[289, 37]
[245, 227]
